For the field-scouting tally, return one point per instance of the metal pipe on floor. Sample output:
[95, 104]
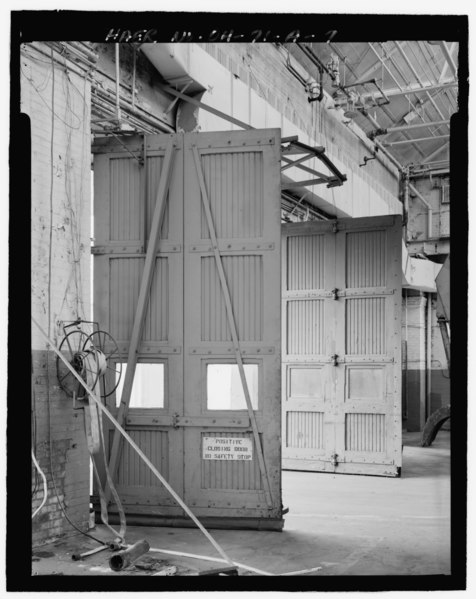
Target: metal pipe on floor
[122, 559]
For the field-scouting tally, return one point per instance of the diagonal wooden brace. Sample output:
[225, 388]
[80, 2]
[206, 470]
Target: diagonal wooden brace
[232, 324]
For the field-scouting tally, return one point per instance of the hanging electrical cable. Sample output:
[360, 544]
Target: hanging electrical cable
[45, 484]
[48, 398]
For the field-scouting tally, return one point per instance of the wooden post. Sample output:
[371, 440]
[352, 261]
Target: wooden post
[142, 302]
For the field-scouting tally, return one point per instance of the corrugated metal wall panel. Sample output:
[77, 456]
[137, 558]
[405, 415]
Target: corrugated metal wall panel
[236, 475]
[235, 186]
[305, 430]
[366, 259]
[125, 216]
[305, 265]
[305, 327]
[244, 275]
[365, 326]
[132, 470]
[154, 168]
[365, 432]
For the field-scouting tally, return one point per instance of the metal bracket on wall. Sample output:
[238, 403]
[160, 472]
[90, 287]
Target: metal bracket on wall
[295, 147]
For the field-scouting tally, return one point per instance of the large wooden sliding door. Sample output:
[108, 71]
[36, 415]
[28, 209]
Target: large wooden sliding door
[341, 357]
[211, 307]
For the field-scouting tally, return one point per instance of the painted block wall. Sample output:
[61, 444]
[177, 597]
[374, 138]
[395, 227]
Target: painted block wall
[250, 82]
[60, 242]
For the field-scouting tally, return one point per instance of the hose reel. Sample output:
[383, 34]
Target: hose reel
[94, 356]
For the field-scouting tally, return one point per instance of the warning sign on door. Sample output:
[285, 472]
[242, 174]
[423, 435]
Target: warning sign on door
[227, 448]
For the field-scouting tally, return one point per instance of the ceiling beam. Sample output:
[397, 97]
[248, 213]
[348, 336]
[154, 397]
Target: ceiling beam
[448, 58]
[417, 126]
[444, 70]
[376, 65]
[435, 153]
[394, 91]
[417, 77]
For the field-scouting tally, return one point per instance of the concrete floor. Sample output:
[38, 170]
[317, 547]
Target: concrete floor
[344, 524]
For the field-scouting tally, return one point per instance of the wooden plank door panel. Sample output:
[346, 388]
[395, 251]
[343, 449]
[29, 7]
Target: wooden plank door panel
[368, 379]
[241, 173]
[125, 194]
[308, 376]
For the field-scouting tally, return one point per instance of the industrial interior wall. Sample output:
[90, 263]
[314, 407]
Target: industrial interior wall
[436, 192]
[440, 389]
[251, 83]
[414, 376]
[57, 101]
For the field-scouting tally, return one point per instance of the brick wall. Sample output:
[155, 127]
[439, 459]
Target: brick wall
[60, 241]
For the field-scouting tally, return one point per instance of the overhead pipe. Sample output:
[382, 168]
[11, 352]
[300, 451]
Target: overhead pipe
[418, 139]
[385, 130]
[362, 110]
[118, 107]
[319, 97]
[406, 195]
[391, 93]
[401, 170]
[375, 123]
[393, 76]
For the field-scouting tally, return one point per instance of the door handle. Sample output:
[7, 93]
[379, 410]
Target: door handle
[335, 293]
[335, 359]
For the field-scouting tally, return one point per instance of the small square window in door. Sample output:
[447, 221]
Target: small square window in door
[148, 389]
[224, 387]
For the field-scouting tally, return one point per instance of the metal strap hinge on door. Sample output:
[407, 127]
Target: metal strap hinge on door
[232, 324]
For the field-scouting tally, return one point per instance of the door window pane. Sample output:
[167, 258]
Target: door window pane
[148, 386]
[224, 388]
